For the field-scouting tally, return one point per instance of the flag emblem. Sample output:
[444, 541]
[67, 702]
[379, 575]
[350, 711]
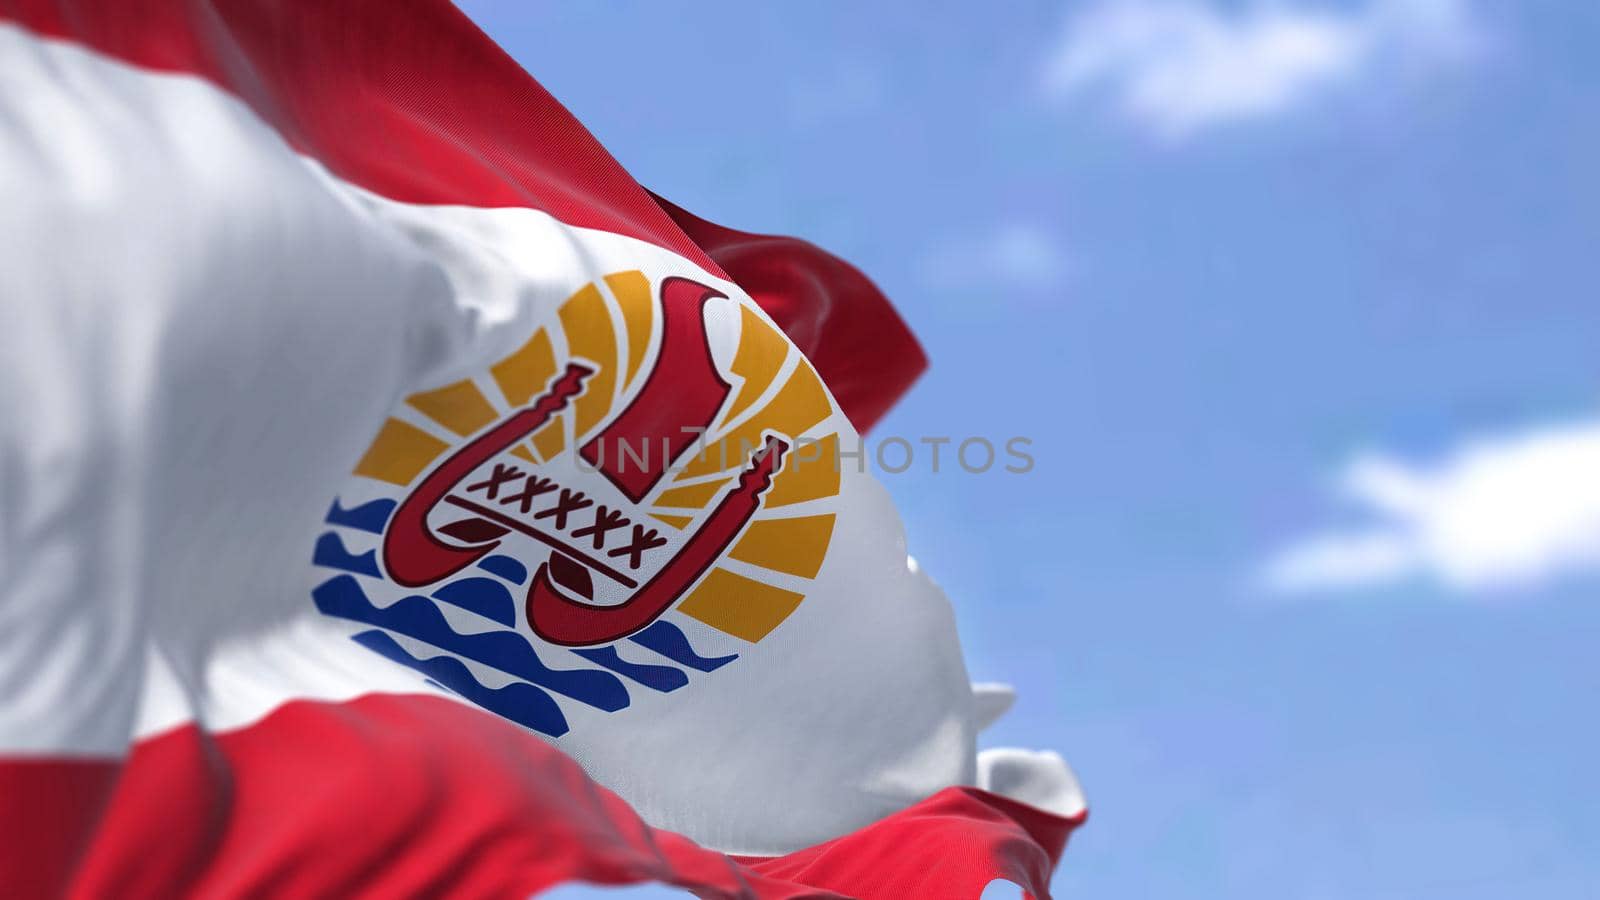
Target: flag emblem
[631, 499]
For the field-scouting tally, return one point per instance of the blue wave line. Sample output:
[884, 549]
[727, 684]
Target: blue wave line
[484, 596]
[507, 651]
[661, 678]
[519, 702]
[668, 640]
[330, 552]
[371, 516]
[505, 567]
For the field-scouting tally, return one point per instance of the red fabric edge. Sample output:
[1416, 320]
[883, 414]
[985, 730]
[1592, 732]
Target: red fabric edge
[390, 795]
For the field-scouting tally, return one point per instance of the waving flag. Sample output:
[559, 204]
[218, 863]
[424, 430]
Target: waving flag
[398, 499]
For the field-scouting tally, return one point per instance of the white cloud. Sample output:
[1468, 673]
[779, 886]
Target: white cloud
[1502, 511]
[1010, 256]
[1178, 66]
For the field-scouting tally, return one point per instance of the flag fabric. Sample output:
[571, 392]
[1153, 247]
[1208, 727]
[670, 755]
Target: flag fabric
[397, 499]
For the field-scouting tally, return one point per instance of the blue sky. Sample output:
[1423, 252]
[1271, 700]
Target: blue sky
[1297, 304]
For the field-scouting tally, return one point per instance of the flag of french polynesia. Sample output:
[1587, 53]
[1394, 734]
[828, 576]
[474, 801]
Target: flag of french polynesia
[396, 499]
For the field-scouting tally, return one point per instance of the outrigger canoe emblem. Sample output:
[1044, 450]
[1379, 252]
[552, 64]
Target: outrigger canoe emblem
[678, 402]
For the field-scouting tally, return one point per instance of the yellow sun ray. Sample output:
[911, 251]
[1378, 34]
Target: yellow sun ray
[760, 356]
[591, 336]
[796, 546]
[527, 371]
[551, 439]
[632, 291]
[692, 496]
[810, 471]
[460, 407]
[740, 606]
[399, 453]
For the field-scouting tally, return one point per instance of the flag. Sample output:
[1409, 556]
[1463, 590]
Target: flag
[398, 499]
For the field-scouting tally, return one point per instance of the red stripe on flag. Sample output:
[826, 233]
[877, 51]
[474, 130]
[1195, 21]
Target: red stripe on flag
[48, 812]
[406, 98]
[409, 795]
[410, 100]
